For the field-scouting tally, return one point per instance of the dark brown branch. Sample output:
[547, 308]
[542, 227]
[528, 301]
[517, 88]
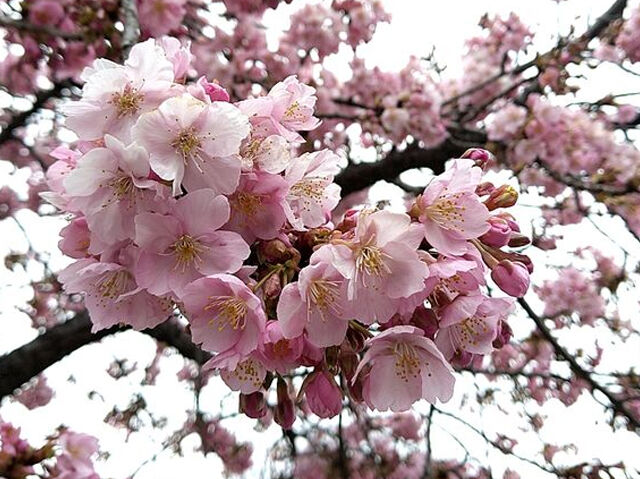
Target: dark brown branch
[359, 176]
[131, 32]
[578, 184]
[616, 404]
[26, 362]
[25, 26]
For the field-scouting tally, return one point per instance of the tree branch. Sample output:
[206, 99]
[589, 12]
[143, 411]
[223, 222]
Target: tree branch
[23, 25]
[359, 176]
[26, 362]
[617, 405]
[20, 119]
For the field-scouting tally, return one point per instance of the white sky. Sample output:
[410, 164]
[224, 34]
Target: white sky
[417, 25]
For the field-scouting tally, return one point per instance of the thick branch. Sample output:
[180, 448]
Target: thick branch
[617, 405]
[359, 176]
[20, 119]
[26, 362]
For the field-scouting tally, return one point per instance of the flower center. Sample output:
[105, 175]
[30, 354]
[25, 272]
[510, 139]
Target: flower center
[187, 251]
[248, 203]
[470, 329]
[229, 310]
[324, 294]
[447, 211]
[309, 189]
[293, 111]
[281, 348]
[370, 260]
[407, 362]
[186, 143]
[248, 370]
[113, 284]
[123, 188]
[127, 102]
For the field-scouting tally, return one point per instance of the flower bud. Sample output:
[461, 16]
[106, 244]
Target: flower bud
[483, 158]
[215, 92]
[253, 405]
[426, 320]
[274, 251]
[324, 396]
[484, 189]
[285, 412]
[504, 334]
[499, 232]
[502, 197]
[511, 277]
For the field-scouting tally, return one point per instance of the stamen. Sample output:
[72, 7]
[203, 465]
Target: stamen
[407, 362]
[187, 251]
[127, 102]
[229, 310]
[113, 284]
[187, 144]
[324, 295]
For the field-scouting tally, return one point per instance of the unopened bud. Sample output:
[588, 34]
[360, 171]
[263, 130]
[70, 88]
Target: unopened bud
[511, 277]
[484, 189]
[502, 197]
[285, 412]
[504, 334]
[426, 320]
[499, 232]
[253, 405]
[483, 158]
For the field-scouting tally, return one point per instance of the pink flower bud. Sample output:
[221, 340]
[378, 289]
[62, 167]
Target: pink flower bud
[215, 91]
[253, 405]
[499, 233]
[324, 397]
[502, 197]
[285, 413]
[504, 334]
[426, 320]
[483, 158]
[511, 277]
[484, 189]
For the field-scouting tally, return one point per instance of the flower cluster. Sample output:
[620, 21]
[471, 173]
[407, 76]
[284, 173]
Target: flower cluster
[184, 201]
[66, 455]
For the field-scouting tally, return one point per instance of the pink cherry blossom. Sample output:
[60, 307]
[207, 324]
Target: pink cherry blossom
[244, 375]
[286, 109]
[115, 95]
[112, 295]
[110, 187]
[258, 206]
[316, 303]
[450, 210]
[380, 263]
[270, 154]
[312, 194]
[224, 314]
[159, 17]
[187, 243]
[470, 324]
[401, 367]
[280, 353]
[193, 143]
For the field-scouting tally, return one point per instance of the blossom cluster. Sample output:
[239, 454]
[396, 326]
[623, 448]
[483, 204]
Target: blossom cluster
[184, 201]
[66, 455]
